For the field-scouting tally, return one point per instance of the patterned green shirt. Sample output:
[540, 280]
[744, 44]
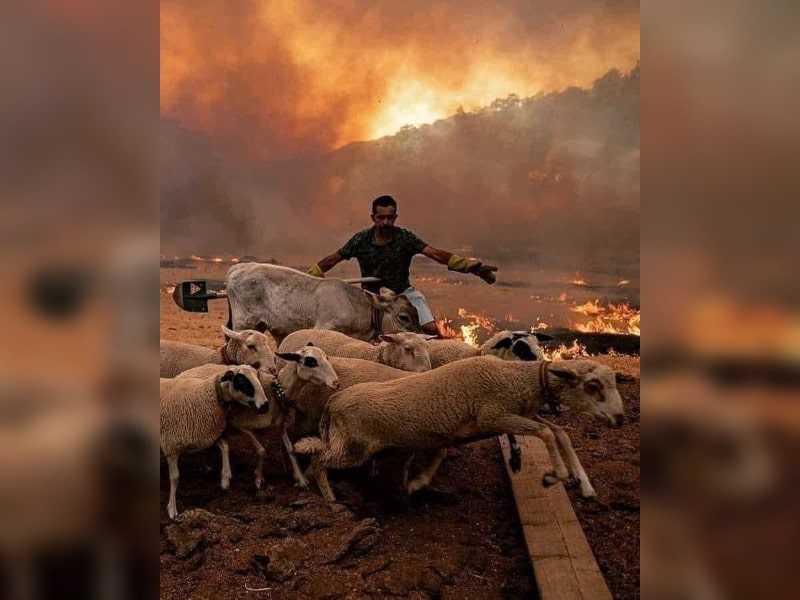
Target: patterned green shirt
[391, 262]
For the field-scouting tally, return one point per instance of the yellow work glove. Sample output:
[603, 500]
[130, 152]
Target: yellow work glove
[474, 266]
[315, 271]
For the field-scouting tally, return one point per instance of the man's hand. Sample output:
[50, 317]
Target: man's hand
[472, 265]
[315, 271]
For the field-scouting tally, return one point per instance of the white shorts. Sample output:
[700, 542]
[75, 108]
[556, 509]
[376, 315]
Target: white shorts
[419, 302]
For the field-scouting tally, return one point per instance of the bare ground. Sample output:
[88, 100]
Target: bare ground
[461, 539]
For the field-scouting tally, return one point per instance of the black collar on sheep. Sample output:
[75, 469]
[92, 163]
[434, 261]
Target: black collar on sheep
[280, 395]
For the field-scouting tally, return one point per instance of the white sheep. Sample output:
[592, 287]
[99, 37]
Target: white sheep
[310, 399]
[460, 402]
[247, 347]
[405, 351]
[515, 345]
[308, 366]
[448, 350]
[193, 417]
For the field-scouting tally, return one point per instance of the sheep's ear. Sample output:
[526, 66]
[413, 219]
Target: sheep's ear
[261, 327]
[309, 343]
[242, 383]
[230, 333]
[523, 351]
[390, 338]
[504, 343]
[564, 373]
[227, 376]
[515, 335]
[427, 336]
[543, 337]
[290, 356]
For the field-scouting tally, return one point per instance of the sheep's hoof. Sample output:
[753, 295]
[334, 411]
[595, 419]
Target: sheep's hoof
[338, 508]
[515, 461]
[550, 478]
[588, 492]
[258, 484]
[225, 485]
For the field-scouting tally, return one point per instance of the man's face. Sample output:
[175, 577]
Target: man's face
[384, 218]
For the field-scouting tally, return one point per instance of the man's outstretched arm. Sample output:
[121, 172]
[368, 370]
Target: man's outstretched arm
[326, 264]
[454, 262]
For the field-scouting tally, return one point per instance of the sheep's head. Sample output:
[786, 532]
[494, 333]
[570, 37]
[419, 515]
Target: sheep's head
[241, 384]
[312, 365]
[515, 345]
[587, 386]
[250, 347]
[406, 351]
[398, 312]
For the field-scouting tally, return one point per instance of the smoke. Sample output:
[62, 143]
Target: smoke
[262, 105]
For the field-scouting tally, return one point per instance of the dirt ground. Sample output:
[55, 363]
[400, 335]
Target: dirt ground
[461, 539]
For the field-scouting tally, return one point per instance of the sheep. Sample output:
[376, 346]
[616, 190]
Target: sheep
[193, 417]
[310, 400]
[460, 402]
[405, 351]
[309, 365]
[247, 347]
[445, 351]
[515, 345]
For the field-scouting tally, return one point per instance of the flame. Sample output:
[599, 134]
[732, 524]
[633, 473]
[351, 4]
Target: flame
[469, 336]
[445, 329]
[564, 352]
[562, 297]
[623, 282]
[539, 326]
[613, 318]
[578, 280]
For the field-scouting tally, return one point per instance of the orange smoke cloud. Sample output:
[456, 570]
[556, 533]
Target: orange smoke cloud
[289, 76]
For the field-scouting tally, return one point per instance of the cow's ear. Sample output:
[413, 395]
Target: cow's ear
[375, 300]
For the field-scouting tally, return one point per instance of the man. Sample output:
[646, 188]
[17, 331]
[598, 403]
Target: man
[385, 251]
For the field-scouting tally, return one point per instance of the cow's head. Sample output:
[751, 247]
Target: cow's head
[398, 312]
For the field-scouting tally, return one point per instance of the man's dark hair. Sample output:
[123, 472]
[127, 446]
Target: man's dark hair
[383, 201]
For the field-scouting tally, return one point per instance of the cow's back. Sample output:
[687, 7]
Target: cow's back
[286, 300]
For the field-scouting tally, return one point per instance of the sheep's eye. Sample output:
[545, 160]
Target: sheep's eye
[405, 319]
[310, 362]
[251, 346]
[592, 388]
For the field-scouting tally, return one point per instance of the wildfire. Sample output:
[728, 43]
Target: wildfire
[539, 326]
[614, 318]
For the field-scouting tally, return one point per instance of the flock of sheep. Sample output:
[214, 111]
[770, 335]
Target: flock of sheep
[340, 400]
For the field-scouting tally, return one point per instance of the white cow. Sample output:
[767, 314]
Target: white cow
[282, 300]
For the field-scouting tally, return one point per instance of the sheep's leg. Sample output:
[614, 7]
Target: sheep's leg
[492, 421]
[423, 479]
[515, 460]
[299, 478]
[225, 453]
[260, 454]
[174, 476]
[573, 462]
